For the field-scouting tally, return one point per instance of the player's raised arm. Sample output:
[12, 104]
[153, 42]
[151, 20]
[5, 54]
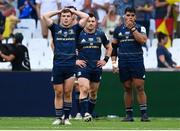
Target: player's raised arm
[47, 17]
[83, 16]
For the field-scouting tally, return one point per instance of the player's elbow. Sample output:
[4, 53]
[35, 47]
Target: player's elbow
[143, 40]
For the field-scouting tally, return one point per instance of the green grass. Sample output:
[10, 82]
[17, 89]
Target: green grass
[44, 123]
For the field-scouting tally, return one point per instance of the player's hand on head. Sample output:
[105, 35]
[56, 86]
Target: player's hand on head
[101, 63]
[81, 63]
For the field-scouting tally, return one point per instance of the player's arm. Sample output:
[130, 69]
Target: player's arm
[47, 17]
[10, 57]
[108, 47]
[139, 36]
[83, 17]
[114, 56]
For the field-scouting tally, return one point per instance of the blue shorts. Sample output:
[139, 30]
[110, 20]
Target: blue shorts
[61, 73]
[129, 70]
[93, 75]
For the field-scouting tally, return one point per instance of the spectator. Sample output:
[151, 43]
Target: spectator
[27, 9]
[164, 57]
[110, 21]
[121, 5]
[18, 56]
[7, 8]
[177, 9]
[78, 4]
[2, 25]
[10, 24]
[144, 10]
[163, 12]
[102, 7]
[44, 6]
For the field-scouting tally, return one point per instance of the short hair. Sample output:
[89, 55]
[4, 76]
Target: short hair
[91, 15]
[160, 36]
[71, 7]
[66, 10]
[18, 37]
[130, 9]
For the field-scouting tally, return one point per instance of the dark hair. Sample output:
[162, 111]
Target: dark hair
[18, 37]
[160, 36]
[66, 10]
[91, 15]
[130, 9]
[71, 7]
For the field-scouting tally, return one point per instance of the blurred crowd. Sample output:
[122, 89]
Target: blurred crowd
[150, 13]
[155, 15]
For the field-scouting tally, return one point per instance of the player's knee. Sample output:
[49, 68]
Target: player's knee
[127, 88]
[140, 88]
[93, 94]
[83, 89]
[84, 92]
[58, 94]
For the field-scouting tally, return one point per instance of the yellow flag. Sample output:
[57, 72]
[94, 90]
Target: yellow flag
[172, 1]
[168, 44]
[162, 28]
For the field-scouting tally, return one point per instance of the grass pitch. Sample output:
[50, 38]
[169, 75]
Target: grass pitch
[102, 123]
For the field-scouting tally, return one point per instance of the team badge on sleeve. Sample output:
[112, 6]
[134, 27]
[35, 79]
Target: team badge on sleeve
[143, 29]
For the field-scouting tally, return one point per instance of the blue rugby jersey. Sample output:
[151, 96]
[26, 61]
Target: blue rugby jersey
[128, 48]
[90, 46]
[65, 43]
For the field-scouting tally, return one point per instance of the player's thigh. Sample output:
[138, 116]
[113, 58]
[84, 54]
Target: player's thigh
[84, 84]
[138, 84]
[68, 84]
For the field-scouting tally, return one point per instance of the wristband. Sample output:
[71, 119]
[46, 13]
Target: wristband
[133, 29]
[106, 58]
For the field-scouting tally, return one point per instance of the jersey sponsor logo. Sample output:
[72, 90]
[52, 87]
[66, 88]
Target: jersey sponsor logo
[127, 32]
[90, 39]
